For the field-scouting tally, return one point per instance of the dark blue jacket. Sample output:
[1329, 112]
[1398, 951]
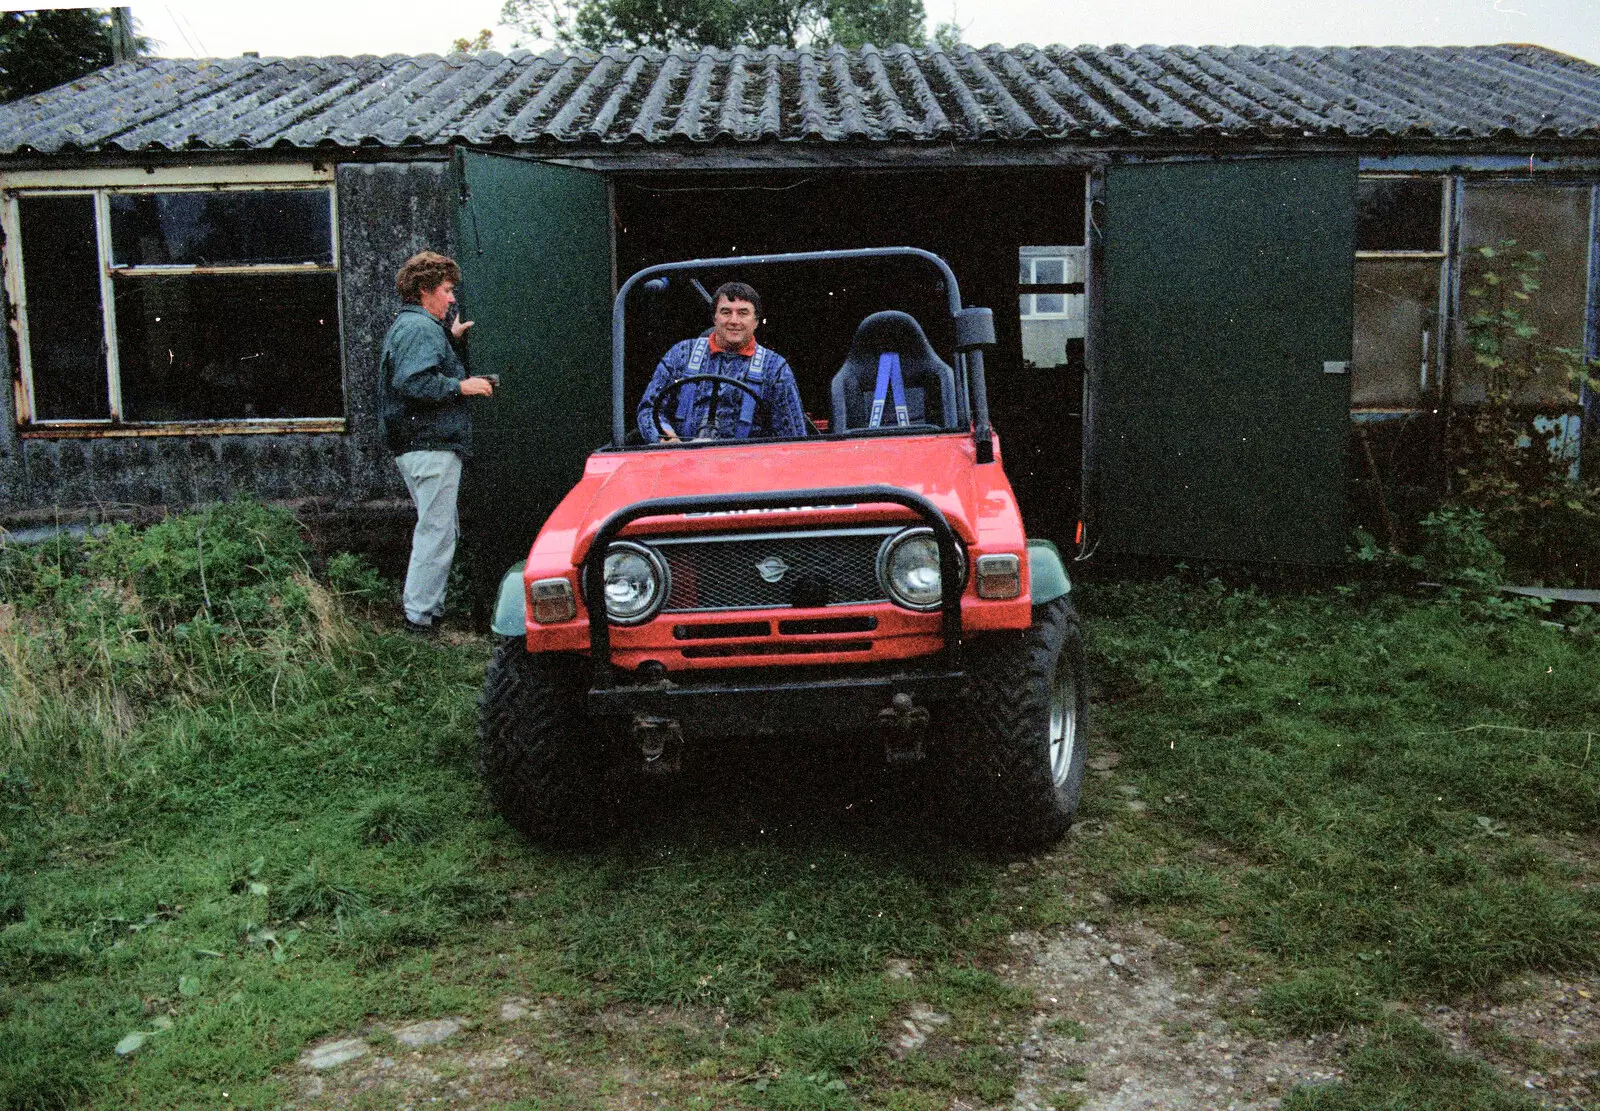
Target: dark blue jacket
[420, 407]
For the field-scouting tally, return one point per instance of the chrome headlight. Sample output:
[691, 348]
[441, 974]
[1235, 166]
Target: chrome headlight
[908, 569]
[637, 583]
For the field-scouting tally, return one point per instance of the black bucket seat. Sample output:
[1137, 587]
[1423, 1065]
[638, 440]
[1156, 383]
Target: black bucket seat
[930, 384]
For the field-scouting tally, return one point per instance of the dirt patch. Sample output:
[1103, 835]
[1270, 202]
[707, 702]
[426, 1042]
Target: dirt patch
[1125, 1023]
[522, 1049]
[1541, 1032]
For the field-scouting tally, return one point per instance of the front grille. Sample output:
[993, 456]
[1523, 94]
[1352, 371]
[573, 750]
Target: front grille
[810, 568]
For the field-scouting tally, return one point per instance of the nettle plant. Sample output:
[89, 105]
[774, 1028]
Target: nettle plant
[1511, 461]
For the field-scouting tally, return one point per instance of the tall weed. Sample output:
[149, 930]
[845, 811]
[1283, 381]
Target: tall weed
[98, 633]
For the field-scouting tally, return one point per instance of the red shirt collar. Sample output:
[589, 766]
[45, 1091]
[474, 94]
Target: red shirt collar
[748, 350]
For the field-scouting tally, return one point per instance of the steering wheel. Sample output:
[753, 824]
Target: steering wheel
[676, 387]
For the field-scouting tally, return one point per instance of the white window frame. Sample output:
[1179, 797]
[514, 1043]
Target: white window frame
[1031, 311]
[102, 185]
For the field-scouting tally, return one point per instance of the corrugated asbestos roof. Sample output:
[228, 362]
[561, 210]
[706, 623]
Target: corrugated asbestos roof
[867, 95]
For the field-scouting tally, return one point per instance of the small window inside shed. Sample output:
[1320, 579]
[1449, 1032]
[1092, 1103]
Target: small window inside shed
[1551, 219]
[1399, 214]
[61, 288]
[1050, 305]
[1399, 270]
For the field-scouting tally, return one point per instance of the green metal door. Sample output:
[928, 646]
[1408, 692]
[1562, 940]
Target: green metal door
[534, 244]
[1219, 396]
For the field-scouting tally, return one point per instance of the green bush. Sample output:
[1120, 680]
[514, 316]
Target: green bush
[236, 562]
[1456, 549]
[353, 576]
[1545, 522]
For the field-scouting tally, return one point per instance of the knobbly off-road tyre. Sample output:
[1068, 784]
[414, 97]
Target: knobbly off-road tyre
[543, 760]
[1007, 784]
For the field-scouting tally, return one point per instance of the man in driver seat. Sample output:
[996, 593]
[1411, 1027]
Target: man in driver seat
[712, 410]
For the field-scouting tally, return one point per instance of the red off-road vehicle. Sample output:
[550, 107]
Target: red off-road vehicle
[873, 576]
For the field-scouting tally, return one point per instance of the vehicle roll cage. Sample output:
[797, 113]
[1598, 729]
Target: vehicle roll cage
[974, 327]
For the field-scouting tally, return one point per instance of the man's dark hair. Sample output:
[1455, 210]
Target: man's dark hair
[737, 291]
[425, 270]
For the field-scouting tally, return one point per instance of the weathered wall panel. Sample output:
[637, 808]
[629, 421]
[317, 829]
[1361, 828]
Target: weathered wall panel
[130, 472]
[388, 211]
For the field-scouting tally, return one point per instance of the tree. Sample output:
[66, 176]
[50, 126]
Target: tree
[948, 35]
[477, 44]
[673, 24]
[40, 50]
[855, 23]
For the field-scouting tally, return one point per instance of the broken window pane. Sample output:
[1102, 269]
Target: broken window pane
[228, 346]
[215, 228]
[1399, 214]
[61, 288]
[1547, 218]
[1396, 333]
[1053, 318]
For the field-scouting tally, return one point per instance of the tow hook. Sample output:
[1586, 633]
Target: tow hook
[660, 743]
[904, 724]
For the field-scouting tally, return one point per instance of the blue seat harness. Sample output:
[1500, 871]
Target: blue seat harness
[889, 378]
[687, 397]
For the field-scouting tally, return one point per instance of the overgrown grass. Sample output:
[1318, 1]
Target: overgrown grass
[283, 837]
[100, 636]
[236, 820]
[1404, 798]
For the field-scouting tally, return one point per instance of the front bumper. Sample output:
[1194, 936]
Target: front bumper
[756, 702]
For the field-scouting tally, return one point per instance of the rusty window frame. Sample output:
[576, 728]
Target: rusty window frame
[15, 187]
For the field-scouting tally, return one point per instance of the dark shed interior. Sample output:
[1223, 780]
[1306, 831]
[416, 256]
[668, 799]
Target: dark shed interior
[978, 220]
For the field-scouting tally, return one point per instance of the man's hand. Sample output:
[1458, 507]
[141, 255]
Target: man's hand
[477, 387]
[459, 328]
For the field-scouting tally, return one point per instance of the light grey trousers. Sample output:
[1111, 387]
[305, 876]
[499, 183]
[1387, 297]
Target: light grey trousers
[433, 478]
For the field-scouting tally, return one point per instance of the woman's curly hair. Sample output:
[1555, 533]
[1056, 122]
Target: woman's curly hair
[425, 270]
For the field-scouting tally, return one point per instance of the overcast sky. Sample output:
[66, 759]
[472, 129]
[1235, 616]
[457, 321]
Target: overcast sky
[291, 27]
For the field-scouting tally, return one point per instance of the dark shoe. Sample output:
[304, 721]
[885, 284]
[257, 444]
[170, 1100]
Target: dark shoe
[418, 629]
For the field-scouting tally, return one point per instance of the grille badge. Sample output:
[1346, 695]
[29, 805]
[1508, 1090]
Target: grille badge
[772, 569]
